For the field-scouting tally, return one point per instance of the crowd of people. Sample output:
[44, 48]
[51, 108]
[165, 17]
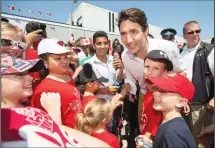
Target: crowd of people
[137, 92]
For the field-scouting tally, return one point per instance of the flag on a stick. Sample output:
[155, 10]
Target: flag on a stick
[39, 12]
[48, 13]
[11, 7]
[31, 11]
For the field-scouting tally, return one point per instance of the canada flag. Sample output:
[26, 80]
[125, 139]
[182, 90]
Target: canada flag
[72, 39]
[39, 12]
[31, 11]
[86, 41]
[48, 13]
[11, 7]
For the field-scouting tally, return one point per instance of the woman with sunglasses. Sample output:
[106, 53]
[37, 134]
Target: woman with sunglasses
[58, 79]
[12, 40]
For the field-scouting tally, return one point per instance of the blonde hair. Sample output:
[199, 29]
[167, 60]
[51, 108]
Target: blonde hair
[95, 112]
[9, 27]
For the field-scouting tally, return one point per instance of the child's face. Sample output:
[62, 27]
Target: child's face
[8, 40]
[16, 86]
[92, 86]
[165, 101]
[58, 63]
[154, 68]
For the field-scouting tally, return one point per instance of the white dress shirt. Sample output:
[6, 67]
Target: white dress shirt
[134, 66]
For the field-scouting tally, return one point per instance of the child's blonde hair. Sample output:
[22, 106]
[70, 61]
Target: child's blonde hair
[7, 27]
[95, 113]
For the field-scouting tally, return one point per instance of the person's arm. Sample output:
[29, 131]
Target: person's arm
[52, 104]
[117, 64]
[75, 74]
[84, 139]
[129, 79]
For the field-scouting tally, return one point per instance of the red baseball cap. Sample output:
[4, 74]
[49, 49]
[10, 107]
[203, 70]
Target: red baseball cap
[174, 82]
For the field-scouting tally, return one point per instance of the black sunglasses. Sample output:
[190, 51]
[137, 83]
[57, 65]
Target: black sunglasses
[11, 43]
[194, 31]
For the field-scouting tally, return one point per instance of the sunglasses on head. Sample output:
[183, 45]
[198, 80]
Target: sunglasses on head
[11, 43]
[194, 31]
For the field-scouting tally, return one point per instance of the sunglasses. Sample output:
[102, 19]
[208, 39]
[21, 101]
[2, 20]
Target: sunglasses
[194, 31]
[11, 43]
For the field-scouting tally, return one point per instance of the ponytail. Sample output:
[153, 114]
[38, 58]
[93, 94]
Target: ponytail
[82, 123]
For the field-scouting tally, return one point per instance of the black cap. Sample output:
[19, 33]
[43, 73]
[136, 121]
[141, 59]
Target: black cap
[86, 75]
[168, 34]
[161, 55]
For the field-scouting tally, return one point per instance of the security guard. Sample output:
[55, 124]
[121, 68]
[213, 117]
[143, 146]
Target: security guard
[168, 34]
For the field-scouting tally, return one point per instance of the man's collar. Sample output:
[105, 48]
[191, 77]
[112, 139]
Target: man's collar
[96, 60]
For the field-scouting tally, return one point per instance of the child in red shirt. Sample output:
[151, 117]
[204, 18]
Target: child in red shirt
[156, 64]
[95, 119]
[56, 59]
[87, 83]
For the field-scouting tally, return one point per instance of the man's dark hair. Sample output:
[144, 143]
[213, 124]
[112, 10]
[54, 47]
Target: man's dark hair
[188, 23]
[135, 15]
[212, 40]
[33, 26]
[4, 20]
[99, 34]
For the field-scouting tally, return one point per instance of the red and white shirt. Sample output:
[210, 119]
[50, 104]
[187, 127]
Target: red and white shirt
[32, 127]
[150, 118]
[70, 99]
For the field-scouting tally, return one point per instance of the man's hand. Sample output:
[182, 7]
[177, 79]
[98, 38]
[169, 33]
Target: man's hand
[211, 105]
[107, 90]
[116, 101]
[186, 110]
[209, 130]
[34, 36]
[117, 64]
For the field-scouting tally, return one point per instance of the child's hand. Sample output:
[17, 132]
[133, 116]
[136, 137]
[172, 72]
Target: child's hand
[145, 138]
[51, 103]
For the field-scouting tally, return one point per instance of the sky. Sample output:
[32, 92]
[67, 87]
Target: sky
[165, 14]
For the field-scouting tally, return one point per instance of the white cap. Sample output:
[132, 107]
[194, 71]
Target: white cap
[51, 46]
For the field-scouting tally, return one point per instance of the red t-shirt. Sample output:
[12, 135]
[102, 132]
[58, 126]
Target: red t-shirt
[70, 99]
[32, 127]
[85, 100]
[150, 118]
[108, 138]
